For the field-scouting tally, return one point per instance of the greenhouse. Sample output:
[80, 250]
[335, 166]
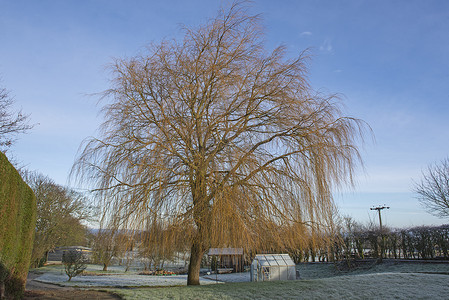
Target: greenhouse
[268, 267]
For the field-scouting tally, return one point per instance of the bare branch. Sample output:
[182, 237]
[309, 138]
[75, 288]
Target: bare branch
[433, 190]
[11, 123]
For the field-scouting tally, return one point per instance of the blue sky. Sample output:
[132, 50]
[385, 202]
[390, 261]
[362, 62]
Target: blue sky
[389, 60]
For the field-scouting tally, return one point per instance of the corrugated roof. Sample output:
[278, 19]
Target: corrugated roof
[225, 251]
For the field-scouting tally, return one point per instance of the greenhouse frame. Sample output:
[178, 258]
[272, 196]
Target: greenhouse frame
[269, 267]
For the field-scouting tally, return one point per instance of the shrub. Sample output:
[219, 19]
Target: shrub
[74, 263]
[17, 221]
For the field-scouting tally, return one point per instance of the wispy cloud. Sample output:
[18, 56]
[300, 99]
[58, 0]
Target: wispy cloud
[306, 33]
[326, 46]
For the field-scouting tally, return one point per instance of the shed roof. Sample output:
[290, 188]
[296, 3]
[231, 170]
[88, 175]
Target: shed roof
[274, 260]
[225, 251]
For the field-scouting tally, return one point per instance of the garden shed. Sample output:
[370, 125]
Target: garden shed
[269, 267]
[55, 255]
[227, 259]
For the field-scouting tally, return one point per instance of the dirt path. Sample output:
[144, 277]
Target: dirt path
[47, 291]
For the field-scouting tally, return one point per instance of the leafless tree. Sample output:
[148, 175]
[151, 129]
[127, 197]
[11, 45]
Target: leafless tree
[60, 212]
[107, 245]
[433, 190]
[222, 137]
[11, 123]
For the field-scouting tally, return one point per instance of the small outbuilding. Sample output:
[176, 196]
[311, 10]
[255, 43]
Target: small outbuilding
[55, 255]
[269, 267]
[227, 259]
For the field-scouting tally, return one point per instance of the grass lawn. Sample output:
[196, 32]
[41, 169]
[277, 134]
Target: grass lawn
[115, 277]
[389, 280]
[322, 281]
[365, 286]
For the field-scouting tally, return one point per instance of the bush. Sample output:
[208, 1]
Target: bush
[74, 263]
[11, 286]
[17, 221]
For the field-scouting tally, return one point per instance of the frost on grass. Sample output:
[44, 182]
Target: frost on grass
[326, 270]
[365, 286]
[124, 280]
[115, 278]
[321, 281]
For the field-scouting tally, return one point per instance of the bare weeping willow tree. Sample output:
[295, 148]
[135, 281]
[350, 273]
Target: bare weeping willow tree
[221, 139]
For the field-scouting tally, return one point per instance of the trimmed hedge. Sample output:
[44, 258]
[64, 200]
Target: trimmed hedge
[17, 222]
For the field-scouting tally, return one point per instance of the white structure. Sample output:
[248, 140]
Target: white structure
[268, 267]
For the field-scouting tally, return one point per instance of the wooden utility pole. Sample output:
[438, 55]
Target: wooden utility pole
[382, 246]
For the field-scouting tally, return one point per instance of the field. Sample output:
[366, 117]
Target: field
[389, 280]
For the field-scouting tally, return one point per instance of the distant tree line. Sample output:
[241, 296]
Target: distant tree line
[360, 242]
[421, 242]
[160, 242]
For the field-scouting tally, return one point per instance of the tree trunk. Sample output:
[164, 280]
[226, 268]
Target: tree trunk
[2, 290]
[196, 254]
[105, 267]
[201, 215]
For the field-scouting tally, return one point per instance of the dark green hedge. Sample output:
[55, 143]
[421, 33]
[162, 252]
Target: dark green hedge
[17, 222]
